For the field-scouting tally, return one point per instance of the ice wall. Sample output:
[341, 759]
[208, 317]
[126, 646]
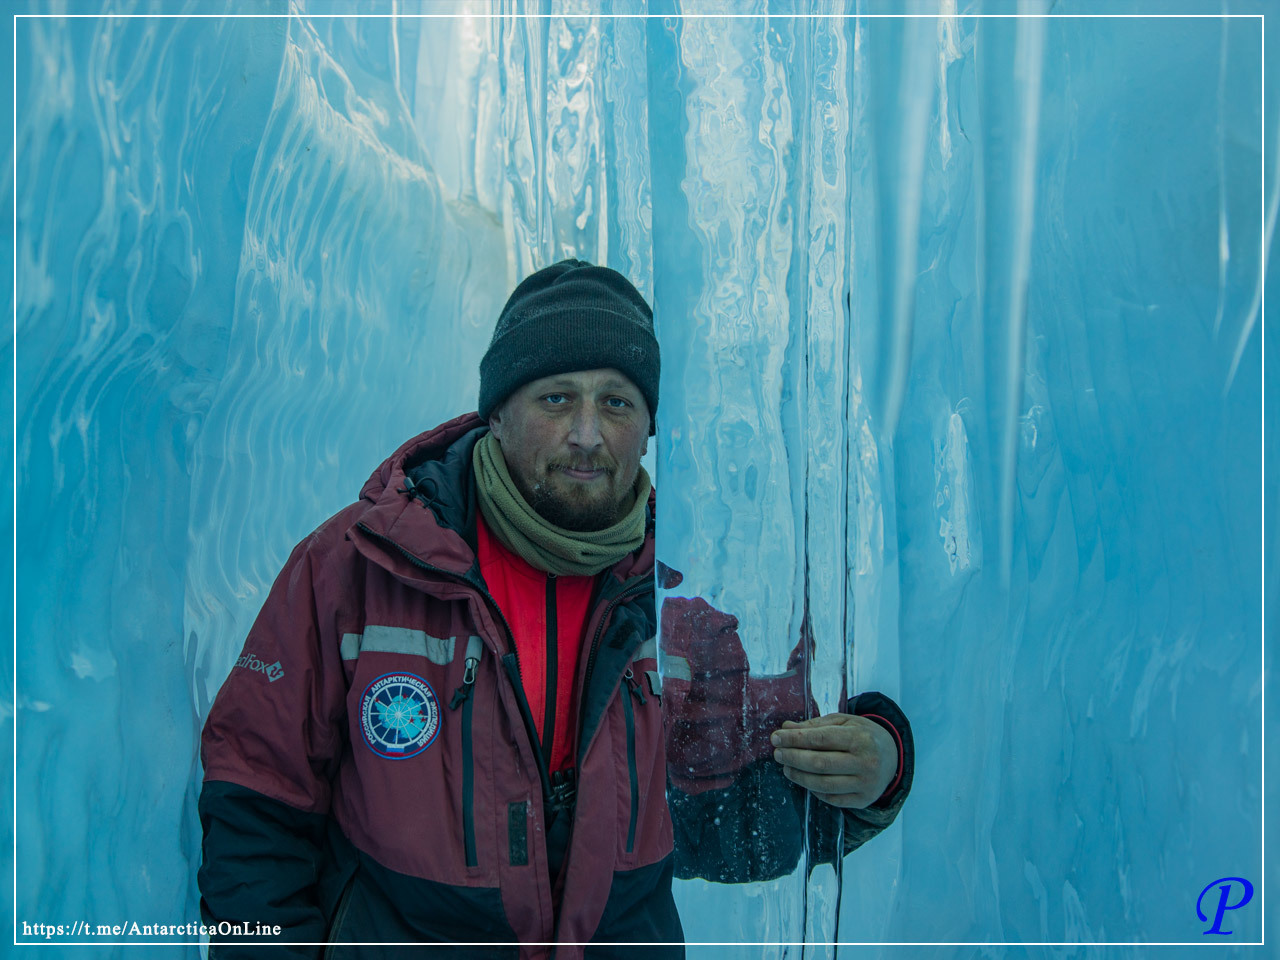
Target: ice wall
[962, 338]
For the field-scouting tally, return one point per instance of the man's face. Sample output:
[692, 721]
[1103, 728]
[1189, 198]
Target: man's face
[573, 443]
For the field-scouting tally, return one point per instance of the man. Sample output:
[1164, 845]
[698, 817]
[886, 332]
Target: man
[457, 729]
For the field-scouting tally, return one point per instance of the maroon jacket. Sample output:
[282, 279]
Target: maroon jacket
[371, 769]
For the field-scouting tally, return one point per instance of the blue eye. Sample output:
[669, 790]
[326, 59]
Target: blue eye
[552, 397]
[623, 404]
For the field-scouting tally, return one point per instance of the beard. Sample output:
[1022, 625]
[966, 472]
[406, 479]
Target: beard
[580, 514]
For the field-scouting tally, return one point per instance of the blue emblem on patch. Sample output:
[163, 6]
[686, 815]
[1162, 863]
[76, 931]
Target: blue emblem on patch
[400, 716]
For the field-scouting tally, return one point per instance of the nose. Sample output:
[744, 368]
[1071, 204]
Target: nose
[584, 431]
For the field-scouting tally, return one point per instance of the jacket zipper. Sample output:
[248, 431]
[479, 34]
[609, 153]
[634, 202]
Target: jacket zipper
[629, 711]
[512, 661]
[468, 787]
[552, 671]
[582, 696]
[462, 698]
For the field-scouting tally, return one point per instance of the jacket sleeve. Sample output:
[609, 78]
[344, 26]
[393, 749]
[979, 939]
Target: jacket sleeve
[736, 817]
[861, 825]
[270, 747]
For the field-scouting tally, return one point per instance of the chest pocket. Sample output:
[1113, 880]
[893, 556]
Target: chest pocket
[440, 651]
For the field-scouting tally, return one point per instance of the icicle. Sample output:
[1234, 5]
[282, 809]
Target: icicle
[1255, 305]
[1028, 63]
[917, 90]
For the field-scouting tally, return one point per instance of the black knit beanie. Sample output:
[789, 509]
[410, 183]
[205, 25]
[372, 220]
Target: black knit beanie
[571, 316]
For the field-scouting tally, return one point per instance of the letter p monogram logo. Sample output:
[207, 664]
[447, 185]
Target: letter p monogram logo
[1223, 886]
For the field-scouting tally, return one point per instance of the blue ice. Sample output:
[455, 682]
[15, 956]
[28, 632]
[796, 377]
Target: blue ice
[962, 330]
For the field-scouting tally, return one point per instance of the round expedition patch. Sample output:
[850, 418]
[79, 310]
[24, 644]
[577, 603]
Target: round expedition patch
[400, 716]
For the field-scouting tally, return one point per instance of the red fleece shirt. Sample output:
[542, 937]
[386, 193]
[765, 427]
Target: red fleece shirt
[520, 590]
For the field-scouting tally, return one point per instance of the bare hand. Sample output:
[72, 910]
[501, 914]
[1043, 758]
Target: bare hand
[847, 761]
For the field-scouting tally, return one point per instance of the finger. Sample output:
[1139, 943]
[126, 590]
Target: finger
[820, 784]
[827, 719]
[828, 737]
[824, 761]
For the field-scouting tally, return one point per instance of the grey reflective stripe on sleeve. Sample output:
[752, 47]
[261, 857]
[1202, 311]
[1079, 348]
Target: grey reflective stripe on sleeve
[647, 649]
[677, 668]
[378, 639]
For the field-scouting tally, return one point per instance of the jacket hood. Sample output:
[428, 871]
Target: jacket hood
[423, 502]
[432, 444]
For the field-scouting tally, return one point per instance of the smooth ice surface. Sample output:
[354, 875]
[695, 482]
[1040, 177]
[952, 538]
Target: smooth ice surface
[962, 339]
